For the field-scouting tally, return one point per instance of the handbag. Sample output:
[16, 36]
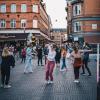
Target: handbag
[77, 62]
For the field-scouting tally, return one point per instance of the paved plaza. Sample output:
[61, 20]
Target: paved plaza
[33, 87]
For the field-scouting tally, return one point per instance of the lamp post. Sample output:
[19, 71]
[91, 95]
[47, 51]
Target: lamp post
[24, 28]
[98, 45]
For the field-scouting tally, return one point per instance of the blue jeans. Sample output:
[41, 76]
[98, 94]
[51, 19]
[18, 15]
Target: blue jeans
[63, 63]
[28, 66]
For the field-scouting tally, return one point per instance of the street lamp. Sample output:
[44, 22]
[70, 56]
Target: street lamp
[24, 28]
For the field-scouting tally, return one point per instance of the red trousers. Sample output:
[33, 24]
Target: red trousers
[49, 70]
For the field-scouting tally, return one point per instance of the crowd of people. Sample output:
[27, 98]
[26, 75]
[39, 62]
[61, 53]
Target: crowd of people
[54, 56]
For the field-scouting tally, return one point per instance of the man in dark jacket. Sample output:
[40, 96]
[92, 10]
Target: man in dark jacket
[85, 61]
[39, 55]
[46, 51]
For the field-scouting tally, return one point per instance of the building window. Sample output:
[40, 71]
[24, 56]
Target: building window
[35, 8]
[13, 23]
[94, 26]
[76, 10]
[13, 8]
[3, 8]
[77, 26]
[35, 23]
[23, 8]
[23, 23]
[2, 23]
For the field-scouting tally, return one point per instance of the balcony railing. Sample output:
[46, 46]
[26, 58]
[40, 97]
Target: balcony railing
[77, 1]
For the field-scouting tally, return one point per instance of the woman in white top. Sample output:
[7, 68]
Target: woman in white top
[50, 64]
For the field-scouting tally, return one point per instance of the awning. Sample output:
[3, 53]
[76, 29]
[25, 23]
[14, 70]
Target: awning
[13, 37]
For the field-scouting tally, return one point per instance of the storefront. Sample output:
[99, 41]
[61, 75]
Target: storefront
[13, 39]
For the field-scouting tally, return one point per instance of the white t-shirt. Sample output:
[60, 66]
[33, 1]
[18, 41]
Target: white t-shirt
[51, 55]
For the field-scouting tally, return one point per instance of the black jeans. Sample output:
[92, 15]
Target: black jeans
[5, 75]
[85, 65]
[76, 72]
[23, 59]
[39, 60]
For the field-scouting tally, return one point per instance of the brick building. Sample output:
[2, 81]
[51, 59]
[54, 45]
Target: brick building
[58, 35]
[83, 19]
[22, 19]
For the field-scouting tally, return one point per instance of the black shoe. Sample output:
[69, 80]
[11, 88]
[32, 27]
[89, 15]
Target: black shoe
[82, 73]
[89, 75]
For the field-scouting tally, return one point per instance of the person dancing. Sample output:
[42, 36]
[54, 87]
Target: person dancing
[50, 65]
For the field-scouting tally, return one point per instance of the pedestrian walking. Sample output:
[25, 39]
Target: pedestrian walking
[23, 55]
[63, 65]
[58, 55]
[7, 61]
[77, 63]
[50, 64]
[69, 48]
[40, 55]
[86, 60]
[28, 66]
[46, 50]
[18, 49]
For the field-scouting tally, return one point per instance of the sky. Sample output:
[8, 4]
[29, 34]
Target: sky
[56, 10]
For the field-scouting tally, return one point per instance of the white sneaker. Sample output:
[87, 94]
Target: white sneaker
[25, 72]
[62, 70]
[31, 72]
[83, 74]
[51, 82]
[76, 81]
[47, 82]
[7, 86]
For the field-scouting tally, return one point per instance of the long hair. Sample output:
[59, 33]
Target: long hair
[63, 52]
[5, 52]
[75, 49]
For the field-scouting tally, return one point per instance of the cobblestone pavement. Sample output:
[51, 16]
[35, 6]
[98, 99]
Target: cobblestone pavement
[33, 87]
